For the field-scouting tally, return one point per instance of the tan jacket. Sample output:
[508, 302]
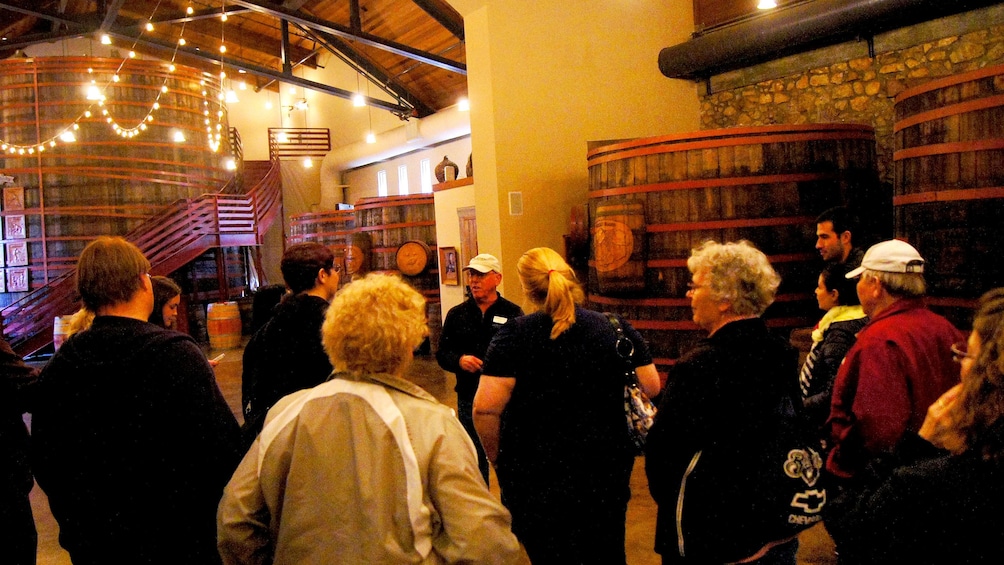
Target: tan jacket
[362, 470]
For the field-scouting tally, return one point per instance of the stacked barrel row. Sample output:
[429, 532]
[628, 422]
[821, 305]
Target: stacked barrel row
[368, 237]
[949, 184]
[331, 228]
[653, 200]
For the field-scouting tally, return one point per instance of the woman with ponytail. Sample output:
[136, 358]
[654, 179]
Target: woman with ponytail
[550, 414]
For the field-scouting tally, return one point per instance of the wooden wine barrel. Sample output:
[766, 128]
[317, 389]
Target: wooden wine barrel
[393, 221]
[223, 321]
[949, 185]
[763, 184]
[618, 237]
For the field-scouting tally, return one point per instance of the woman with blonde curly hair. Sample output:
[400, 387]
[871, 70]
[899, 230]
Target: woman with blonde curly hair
[720, 414]
[926, 502]
[366, 467]
[550, 414]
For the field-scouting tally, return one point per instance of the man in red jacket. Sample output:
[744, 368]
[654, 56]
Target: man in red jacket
[899, 366]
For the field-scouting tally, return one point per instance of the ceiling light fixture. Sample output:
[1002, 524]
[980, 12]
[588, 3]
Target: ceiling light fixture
[766, 4]
[464, 105]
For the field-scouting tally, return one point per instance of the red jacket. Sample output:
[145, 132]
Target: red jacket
[899, 366]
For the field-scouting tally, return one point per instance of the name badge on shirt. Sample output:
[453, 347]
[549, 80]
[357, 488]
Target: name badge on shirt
[499, 320]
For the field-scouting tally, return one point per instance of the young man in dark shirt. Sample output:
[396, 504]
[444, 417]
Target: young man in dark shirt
[286, 355]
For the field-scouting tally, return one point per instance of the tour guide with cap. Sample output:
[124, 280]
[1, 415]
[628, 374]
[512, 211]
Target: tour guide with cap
[900, 364]
[467, 331]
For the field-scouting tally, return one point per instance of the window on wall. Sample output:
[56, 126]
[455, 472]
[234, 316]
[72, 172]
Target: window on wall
[402, 180]
[426, 172]
[381, 183]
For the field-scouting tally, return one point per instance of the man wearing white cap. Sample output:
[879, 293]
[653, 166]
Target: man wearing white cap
[468, 329]
[899, 366]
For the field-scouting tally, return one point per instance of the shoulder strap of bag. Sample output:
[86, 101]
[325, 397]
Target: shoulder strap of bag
[624, 346]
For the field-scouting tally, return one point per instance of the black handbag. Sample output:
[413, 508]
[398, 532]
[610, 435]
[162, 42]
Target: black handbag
[638, 409]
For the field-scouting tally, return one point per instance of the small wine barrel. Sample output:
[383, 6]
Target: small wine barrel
[949, 185]
[223, 321]
[763, 184]
[618, 237]
[60, 325]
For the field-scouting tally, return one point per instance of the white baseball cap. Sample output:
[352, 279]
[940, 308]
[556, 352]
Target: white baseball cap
[484, 263]
[893, 256]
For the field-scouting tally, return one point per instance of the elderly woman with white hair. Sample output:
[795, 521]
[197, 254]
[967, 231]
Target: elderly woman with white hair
[366, 467]
[718, 411]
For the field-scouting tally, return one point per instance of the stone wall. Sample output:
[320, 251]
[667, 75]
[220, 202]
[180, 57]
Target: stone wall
[855, 90]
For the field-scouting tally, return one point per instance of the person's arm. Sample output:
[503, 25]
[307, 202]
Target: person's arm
[648, 378]
[476, 528]
[491, 399]
[242, 520]
[449, 352]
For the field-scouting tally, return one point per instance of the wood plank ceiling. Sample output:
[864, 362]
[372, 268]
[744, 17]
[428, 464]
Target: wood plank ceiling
[411, 49]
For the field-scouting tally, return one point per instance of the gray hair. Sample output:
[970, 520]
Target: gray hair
[899, 285]
[737, 273]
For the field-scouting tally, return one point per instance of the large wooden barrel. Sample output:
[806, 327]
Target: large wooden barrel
[949, 185]
[763, 184]
[124, 165]
[393, 221]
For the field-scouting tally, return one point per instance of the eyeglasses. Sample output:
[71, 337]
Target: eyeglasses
[692, 286]
[959, 352]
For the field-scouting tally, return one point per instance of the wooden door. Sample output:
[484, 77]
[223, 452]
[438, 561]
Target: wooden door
[468, 238]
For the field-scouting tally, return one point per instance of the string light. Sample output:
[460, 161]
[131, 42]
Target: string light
[96, 94]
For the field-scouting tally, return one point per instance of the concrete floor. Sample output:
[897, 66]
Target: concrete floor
[816, 547]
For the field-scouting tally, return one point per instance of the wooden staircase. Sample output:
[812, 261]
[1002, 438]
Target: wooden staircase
[183, 230]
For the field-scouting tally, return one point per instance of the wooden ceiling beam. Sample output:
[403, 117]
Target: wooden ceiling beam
[374, 74]
[206, 14]
[347, 33]
[256, 70]
[241, 40]
[20, 8]
[47, 37]
[111, 13]
[445, 15]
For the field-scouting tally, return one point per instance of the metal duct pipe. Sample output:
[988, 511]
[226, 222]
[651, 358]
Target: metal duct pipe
[799, 28]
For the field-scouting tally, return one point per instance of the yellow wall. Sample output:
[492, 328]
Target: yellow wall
[544, 79]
